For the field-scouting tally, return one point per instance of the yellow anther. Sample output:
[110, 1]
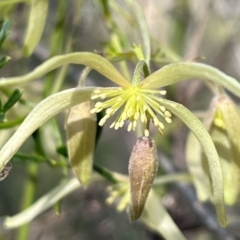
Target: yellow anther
[161, 125]
[95, 92]
[146, 133]
[121, 124]
[167, 114]
[94, 97]
[112, 125]
[163, 92]
[168, 120]
[102, 96]
[103, 120]
[130, 127]
[116, 127]
[98, 105]
[134, 125]
[163, 109]
[92, 111]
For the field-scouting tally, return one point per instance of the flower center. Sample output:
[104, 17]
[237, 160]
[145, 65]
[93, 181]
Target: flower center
[135, 103]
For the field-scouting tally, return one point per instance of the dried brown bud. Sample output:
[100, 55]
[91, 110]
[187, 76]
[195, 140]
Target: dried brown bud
[143, 166]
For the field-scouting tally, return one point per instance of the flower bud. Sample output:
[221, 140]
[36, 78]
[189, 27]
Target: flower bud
[143, 166]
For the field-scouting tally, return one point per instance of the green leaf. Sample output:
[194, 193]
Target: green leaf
[2, 117]
[45, 110]
[14, 98]
[62, 150]
[176, 72]
[92, 60]
[58, 208]
[157, 218]
[4, 60]
[36, 23]
[4, 31]
[209, 149]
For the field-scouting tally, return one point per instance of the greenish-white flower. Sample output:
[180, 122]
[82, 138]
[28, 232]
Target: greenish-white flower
[130, 101]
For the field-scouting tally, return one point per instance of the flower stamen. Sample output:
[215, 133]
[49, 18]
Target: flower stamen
[134, 103]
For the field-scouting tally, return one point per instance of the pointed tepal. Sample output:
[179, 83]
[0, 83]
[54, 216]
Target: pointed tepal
[81, 127]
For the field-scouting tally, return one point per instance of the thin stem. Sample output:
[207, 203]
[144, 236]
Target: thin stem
[114, 37]
[61, 75]
[117, 45]
[56, 44]
[39, 159]
[105, 173]
[59, 142]
[172, 178]
[28, 197]
[10, 124]
[83, 76]
[143, 28]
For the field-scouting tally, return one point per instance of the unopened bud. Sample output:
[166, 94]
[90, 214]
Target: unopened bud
[143, 166]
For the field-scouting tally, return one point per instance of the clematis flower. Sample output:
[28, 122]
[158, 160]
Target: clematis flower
[139, 99]
[221, 121]
[136, 101]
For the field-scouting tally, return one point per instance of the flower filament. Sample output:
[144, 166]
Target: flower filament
[136, 103]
